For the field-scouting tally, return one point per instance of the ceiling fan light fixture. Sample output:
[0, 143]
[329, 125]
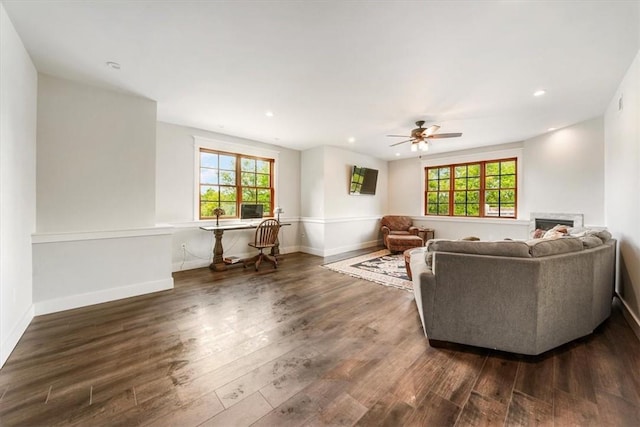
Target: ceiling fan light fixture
[423, 146]
[414, 147]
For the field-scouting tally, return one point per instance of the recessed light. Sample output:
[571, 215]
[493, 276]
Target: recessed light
[113, 65]
[397, 154]
[351, 140]
[551, 129]
[269, 113]
[539, 92]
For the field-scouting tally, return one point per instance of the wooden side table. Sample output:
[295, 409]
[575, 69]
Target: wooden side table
[426, 233]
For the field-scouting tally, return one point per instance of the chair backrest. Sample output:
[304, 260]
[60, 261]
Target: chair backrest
[397, 222]
[267, 233]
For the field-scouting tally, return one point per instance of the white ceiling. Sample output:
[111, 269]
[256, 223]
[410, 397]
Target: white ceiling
[330, 70]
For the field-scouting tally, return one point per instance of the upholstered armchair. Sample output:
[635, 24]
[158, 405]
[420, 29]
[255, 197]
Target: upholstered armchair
[399, 233]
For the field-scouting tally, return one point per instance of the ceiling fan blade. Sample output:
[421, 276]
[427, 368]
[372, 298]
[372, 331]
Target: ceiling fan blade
[403, 136]
[431, 130]
[401, 142]
[445, 135]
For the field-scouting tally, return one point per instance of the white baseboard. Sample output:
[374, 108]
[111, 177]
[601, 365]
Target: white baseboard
[630, 317]
[189, 265]
[339, 250]
[12, 340]
[200, 263]
[106, 295]
[312, 251]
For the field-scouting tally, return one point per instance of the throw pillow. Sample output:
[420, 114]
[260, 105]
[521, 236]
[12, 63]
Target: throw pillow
[538, 233]
[556, 232]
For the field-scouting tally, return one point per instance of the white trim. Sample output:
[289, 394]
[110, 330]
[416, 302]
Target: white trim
[505, 221]
[339, 250]
[209, 223]
[230, 147]
[38, 238]
[16, 333]
[98, 297]
[311, 251]
[201, 263]
[338, 220]
[630, 317]
[189, 265]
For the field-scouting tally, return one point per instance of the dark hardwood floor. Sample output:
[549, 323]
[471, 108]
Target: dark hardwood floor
[300, 345]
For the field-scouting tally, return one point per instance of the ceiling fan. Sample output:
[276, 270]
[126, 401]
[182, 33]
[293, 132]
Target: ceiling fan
[419, 136]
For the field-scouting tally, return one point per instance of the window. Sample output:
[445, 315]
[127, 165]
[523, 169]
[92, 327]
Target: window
[478, 189]
[227, 180]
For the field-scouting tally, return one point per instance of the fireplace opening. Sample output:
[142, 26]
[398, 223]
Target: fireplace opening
[548, 224]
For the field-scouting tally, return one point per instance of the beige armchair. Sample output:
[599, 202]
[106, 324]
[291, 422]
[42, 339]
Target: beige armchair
[399, 233]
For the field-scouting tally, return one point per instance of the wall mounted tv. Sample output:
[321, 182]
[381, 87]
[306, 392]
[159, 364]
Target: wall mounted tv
[363, 180]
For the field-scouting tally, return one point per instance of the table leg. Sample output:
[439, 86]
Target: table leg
[218, 260]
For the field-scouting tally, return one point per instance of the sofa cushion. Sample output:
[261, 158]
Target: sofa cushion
[508, 248]
[603, 235]
[590, 242]
[545, 247]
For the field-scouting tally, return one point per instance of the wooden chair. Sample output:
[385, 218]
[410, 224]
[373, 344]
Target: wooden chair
[266, 237]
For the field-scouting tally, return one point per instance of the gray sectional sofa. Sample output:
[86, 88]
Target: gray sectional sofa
[523, 297]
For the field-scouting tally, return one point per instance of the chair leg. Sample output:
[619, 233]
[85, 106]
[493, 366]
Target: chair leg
[271, 259]
[251, 260]
[259, 260]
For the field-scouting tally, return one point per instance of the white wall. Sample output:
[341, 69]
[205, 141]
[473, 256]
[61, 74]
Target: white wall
[622, 184]
[176, 197]
[78, 269]
[96, 158]
[333, 220]
[96, 237]
[312, 198]
[406, 187]
[18, 106]
[564, 172]
[561, 172]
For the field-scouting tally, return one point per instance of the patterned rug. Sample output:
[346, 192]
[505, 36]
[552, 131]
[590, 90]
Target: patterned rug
[380, 267]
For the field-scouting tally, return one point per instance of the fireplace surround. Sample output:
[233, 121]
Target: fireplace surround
[546, 220]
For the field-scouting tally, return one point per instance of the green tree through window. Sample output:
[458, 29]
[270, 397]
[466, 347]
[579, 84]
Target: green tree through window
[227, 180]
[479, 189]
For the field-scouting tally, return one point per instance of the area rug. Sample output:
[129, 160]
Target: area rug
[380, 267]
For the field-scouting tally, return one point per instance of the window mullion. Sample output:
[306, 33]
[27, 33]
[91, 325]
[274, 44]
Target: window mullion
[238, 184]
[451, 187]
[482, 189]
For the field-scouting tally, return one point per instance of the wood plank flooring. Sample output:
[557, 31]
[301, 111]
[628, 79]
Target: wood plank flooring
[299, 346]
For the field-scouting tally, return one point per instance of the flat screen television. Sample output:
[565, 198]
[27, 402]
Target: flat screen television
[248, 211]
[363, 180]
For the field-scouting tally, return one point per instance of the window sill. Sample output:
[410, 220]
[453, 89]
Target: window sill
[484, 220]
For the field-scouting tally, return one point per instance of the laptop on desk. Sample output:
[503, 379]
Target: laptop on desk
[251, 214]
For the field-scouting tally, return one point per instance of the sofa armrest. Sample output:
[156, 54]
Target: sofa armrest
[414, 230]
[424, 284]
[385, 232]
